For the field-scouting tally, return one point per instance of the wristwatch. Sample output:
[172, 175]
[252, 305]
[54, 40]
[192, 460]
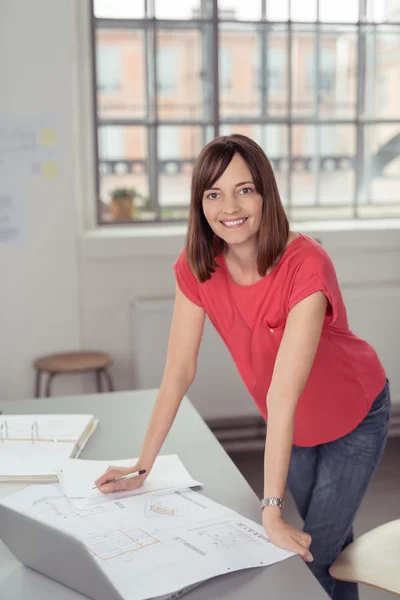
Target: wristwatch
[272, 502]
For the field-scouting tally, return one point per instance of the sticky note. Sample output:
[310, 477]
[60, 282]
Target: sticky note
[48, 136]
[49, 170]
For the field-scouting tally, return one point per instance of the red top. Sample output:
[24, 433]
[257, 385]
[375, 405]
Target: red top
[346, 375]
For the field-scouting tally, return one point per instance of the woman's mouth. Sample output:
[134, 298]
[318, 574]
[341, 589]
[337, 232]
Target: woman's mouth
[233, 224]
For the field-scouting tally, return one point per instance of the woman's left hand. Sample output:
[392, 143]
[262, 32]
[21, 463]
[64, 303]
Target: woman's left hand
[287, 537]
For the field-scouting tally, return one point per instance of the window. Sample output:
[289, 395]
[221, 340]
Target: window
[167, 70]
[313, 82]
[108, 68]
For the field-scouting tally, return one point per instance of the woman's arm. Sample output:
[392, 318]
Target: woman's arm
[180, 370]
[292, 367]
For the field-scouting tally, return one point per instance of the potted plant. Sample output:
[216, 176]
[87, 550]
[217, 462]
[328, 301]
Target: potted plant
[122, 203]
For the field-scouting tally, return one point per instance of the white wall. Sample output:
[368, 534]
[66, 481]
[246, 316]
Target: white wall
[39, 297]
[113, 289]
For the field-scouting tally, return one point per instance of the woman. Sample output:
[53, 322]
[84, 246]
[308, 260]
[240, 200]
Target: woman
[273, 296]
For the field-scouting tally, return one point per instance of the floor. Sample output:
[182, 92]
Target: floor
[380, 505]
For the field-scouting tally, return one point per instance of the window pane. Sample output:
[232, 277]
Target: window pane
[189, 9]
[250, 10]
[123, 164]
[322, 171]
[306, 10]
[239, 71]
[383, 10]
[120, 9]
[338, 73]
[336, 12]
[382, 166]
[277, 10]
[178, 149]
[273, 139]
[180, 92]
[277, 64]
[303, 71]
[383, 72]
[121, 73]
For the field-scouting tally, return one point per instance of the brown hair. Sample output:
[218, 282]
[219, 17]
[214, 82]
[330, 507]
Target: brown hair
[202, 245]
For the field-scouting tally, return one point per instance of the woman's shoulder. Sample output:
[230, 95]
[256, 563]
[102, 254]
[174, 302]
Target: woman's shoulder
[308, 252]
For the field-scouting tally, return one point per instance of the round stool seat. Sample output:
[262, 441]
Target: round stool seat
[73, 362]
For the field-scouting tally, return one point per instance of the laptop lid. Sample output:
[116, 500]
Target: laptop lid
[55, 554]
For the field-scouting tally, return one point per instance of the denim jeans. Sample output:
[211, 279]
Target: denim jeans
[328, 483]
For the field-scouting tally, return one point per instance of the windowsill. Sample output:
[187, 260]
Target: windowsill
[179, 230]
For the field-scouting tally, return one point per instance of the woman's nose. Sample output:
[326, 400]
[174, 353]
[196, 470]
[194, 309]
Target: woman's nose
[229, 204]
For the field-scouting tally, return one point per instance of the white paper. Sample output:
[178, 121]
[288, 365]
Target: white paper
[158, 543]
[77, 477]
[36, 445]
[11, 214]
[29, 145]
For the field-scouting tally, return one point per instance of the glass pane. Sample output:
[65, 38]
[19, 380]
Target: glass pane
[178, 148]
[273, 139]
[303, 71]
[120, 73]
[239, 71]
[277, 10]
[336, 148]
[337, 92]
[382, 165]
[383, 10]
[336, 12]
[383, 72]
[119, 9]
[189, 9]
[179, 74]
[306, 10]
[250, 10]
[322, 171]
[277, 65]
[123, 165]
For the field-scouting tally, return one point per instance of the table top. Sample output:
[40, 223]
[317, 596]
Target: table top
[123, 421]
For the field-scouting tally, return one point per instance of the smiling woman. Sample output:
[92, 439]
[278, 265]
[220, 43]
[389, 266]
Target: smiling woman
[234, 198]
[274, 298]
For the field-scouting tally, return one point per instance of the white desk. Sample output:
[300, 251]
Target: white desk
[123, 421]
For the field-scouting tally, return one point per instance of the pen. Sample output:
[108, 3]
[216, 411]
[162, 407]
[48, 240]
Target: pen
[129, 476]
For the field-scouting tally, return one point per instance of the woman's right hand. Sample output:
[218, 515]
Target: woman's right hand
[105, 482]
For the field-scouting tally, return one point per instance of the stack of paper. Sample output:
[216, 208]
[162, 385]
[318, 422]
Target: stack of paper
[32, 447]
[77, 479]
[156, 543]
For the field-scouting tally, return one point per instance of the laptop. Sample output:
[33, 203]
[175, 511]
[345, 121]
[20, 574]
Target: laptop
[60, 556]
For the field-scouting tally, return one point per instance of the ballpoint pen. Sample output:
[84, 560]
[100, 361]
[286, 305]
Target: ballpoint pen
[129, 476]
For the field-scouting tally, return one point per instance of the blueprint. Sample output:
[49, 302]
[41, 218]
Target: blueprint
[154, 544]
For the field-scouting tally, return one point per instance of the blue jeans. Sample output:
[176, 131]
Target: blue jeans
[328, 483]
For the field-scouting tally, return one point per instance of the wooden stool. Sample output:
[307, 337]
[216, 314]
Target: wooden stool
[372, 559]
[72, 362]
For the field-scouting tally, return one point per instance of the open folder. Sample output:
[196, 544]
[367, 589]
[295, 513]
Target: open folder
[33, 446]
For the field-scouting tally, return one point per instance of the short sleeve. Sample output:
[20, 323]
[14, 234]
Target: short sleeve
[187, 282]
[315, 273]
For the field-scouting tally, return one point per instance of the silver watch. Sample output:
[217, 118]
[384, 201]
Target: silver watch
[272, 502]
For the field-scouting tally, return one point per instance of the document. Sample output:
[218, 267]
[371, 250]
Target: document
[154, 544]
[32, 447]
[77, 478]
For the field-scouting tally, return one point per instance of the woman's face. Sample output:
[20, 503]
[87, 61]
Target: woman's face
[232, 206]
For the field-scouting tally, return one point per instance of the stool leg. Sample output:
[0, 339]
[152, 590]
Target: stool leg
[37, 383]
[98, 380]
[48, 385]
[109, 380]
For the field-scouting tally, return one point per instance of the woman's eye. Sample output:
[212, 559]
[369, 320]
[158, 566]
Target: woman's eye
[213, 196]
[246, 191]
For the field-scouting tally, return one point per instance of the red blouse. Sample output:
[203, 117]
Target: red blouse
[346, 375]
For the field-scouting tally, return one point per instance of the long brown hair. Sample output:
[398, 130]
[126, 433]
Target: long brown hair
[202, 245]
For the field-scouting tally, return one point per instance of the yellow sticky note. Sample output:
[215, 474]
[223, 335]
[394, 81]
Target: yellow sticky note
[48, 136]
[49, 170]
